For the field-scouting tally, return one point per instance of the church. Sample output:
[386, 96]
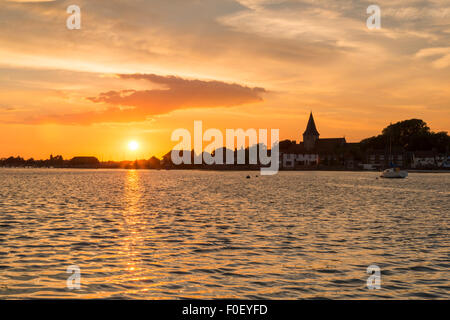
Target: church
[313, 151]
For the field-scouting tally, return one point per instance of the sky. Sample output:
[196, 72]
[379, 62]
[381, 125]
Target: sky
[139, 69]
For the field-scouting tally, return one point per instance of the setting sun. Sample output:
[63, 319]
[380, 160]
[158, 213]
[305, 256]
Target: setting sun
[133, 145]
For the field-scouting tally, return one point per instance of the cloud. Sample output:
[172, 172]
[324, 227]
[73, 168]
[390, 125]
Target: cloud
[441, 55]
[176, 93]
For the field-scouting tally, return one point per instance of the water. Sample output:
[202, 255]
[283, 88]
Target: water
[197, 234]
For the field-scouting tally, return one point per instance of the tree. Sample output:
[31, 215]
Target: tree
[412, 135]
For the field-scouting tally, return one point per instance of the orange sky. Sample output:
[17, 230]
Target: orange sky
[139, 69]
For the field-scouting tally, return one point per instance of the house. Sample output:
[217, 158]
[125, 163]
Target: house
[446, 162]
[384, 158]
[424, 159]
[296, 155]
[442, 161]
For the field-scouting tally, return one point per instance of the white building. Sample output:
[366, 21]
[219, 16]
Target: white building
[423, 159]
[291, 160]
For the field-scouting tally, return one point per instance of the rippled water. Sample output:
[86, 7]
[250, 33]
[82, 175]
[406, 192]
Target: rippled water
[197, 234]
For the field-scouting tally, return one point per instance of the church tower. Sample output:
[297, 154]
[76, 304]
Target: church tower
[311, 135]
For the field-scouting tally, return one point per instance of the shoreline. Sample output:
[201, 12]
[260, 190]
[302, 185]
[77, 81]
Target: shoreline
[232, 169]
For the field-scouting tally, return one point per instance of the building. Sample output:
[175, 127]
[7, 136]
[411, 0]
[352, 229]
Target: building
[379, 159]
[311, 135]
[293, 155]
[444, 162]
[424, 159]
[313, 151]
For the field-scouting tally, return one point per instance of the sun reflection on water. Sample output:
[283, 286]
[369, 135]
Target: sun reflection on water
[134, 223]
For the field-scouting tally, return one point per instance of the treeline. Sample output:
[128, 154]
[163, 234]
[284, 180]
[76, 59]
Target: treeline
[18, 161]
[79, 162]
[411, 135]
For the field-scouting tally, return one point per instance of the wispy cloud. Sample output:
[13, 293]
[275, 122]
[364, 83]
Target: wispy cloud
[439, 56]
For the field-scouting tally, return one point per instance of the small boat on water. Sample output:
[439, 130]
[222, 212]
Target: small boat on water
[394, 173]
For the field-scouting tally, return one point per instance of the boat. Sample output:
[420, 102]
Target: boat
[394, 173]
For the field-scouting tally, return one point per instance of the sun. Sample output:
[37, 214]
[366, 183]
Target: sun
[133, 145]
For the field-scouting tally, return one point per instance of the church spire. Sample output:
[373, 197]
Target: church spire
[311, 127]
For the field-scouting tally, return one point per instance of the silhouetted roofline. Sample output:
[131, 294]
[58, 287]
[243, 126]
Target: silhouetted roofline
[311, 127]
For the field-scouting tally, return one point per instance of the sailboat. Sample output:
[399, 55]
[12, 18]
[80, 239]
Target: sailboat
[394, 171]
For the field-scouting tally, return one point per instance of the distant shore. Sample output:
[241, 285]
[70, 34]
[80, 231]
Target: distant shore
[230, 169]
